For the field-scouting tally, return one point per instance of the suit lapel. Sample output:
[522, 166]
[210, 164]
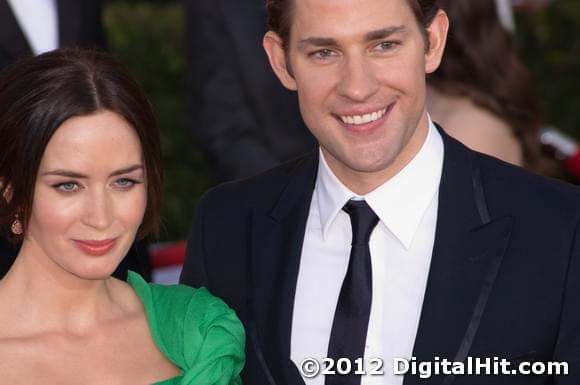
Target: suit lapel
[277, 238]
[13, 40]
[467, 253]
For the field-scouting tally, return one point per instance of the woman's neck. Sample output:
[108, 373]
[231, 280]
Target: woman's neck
[44, 297]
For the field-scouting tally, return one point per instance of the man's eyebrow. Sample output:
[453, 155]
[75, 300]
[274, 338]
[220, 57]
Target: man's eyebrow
[318, 42]
[369, 36]
[384, 32]
[73, 174]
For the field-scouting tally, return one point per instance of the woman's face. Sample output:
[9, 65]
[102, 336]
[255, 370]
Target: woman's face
[90, 196]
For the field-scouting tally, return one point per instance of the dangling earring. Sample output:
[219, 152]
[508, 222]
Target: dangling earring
[16, 226]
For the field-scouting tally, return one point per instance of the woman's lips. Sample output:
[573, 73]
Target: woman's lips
[95, 248]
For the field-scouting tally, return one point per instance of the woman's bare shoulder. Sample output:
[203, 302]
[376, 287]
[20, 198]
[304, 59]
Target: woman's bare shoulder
[479, 129]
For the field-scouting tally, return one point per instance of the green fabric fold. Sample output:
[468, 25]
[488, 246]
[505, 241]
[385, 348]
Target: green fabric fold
[196, 331]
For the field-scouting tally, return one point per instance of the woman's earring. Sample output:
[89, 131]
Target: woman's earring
[16, 227]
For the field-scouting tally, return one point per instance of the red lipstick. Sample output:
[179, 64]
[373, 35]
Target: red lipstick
[95, 248]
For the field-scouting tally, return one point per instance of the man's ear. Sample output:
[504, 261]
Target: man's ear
[437, 35]
[277, 56]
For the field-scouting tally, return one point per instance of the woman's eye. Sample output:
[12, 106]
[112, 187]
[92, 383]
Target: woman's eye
[126, 183]
[67, 186]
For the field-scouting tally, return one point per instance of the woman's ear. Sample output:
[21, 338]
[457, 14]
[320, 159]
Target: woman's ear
[6, 191]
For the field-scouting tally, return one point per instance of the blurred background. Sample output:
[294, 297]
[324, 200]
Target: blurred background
[155, 30]
[549, 43]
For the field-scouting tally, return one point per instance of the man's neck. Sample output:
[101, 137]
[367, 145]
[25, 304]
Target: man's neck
[363, 182]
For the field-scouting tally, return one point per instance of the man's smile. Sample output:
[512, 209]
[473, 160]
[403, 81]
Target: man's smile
[363, 119]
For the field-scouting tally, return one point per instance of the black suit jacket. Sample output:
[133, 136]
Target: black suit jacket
[243, 119]
[79, 24]
[504, 278]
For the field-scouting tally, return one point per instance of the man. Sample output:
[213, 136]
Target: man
[228, 71]
[454, 254]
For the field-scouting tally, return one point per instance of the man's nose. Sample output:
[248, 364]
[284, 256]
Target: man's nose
[358, 81]
[98, 210]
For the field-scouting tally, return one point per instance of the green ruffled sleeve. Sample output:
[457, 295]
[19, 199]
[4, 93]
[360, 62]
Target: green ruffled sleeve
[196, 331]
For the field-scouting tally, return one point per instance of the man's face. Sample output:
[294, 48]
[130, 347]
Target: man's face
[359, 69]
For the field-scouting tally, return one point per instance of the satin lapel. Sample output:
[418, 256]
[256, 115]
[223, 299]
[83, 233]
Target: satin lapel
[467, 254]
[13, 40]
[277, 238]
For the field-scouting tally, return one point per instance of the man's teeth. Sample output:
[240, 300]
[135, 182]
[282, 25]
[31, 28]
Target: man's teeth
[363, 119]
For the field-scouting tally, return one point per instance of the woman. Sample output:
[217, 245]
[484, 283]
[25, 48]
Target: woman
[80, 177]
[482, 94]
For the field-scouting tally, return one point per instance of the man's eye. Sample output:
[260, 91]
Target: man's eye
[323, 53]
[386, 45]
[67, 186]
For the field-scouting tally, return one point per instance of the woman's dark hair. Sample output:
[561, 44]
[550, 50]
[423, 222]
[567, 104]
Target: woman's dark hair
[280, 16]
[38, 94]
[481, 63]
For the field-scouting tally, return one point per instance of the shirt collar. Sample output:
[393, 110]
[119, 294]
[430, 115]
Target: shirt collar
[400, 202]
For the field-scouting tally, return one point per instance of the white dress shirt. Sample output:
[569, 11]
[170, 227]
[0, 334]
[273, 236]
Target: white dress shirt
[39, 22]
[401, 246]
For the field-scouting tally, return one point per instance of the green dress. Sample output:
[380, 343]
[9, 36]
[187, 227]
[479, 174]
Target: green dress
[196, 331]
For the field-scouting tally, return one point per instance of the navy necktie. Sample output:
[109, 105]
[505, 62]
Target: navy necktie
[351, 317]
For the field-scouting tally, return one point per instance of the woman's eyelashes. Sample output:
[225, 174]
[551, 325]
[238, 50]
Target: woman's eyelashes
[126, 183]
[66, 187]
[74, 186]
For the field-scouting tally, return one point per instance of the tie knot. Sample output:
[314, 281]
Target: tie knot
[363, 220]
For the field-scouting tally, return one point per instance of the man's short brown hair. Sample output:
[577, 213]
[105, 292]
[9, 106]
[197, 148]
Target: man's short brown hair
[280, 16]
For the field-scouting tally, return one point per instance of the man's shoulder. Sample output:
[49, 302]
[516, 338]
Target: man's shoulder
[266, 187]
[505, 181]
[512, 186]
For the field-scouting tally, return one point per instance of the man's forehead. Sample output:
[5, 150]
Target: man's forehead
[335, 18]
